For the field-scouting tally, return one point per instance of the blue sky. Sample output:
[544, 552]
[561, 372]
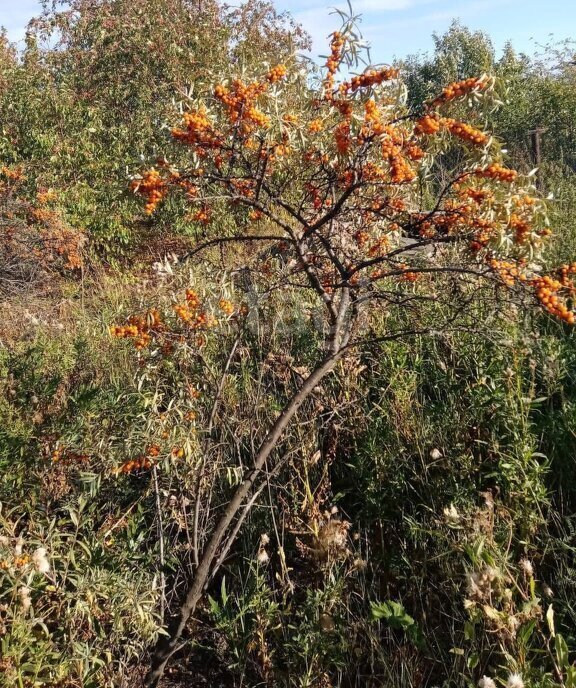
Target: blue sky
[396, 28]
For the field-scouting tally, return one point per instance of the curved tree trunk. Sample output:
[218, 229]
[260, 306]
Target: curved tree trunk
[166, 646]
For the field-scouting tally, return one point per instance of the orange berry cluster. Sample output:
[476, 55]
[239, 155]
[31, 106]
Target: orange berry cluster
[43, 215]
[479, 196]
[372, 77]
[564, 272]
[428, 125]
[375, 173]
[139, 328]
[19, 562]
[203, 215]
[392, 147]
[483, 234]
[276, 73]
[152, 186]
[333, 63]
[240, 101]
[524, 200]
[342, 137]
[374, 126]
[431, 124]
[257, 117]
[192, 314]
[347, 178]
[550, 291]
[507, 271]
[521, 228]
[190, 189]
[13, 173]
[459, 88]
[192, 299]
[314, 193]
[408, 275]
[398, 204]
[361, 237]
[199, 130]
[400, 170]
[63, 241]
[453, 217]
[466, 132]
[379, 247]
[255, 215]
[279, 150]
[140, 463]
[498, 172]
[414, 152]
[315, 126]
[547, 292]
[226, 306]
[372, 117]
[244, 187]
[68, 458]
[44, 196]
[344, 107]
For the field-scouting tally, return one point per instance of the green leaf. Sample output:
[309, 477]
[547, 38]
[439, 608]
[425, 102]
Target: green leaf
[394, 614]
[469, 630]
[570, 676]
[525, 631]
[214, 606]
[473, 660]
[223, 593]
[561, 651]
[550, 620]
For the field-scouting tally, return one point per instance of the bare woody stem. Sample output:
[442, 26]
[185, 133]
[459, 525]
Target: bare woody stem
[166, 646]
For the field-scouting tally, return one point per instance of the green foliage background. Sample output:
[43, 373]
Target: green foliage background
[485, 425]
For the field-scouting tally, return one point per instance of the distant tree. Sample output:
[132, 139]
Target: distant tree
[96, 82]
[535, 92]
[458, 54]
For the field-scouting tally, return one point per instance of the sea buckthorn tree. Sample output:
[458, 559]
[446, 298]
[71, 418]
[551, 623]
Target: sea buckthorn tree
[323, 189]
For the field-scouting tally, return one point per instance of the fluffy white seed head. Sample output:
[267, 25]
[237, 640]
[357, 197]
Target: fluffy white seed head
[451, 515]
[24, 595]
[486, 682]
[40, 560]
[262, 557]
[515, 681]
